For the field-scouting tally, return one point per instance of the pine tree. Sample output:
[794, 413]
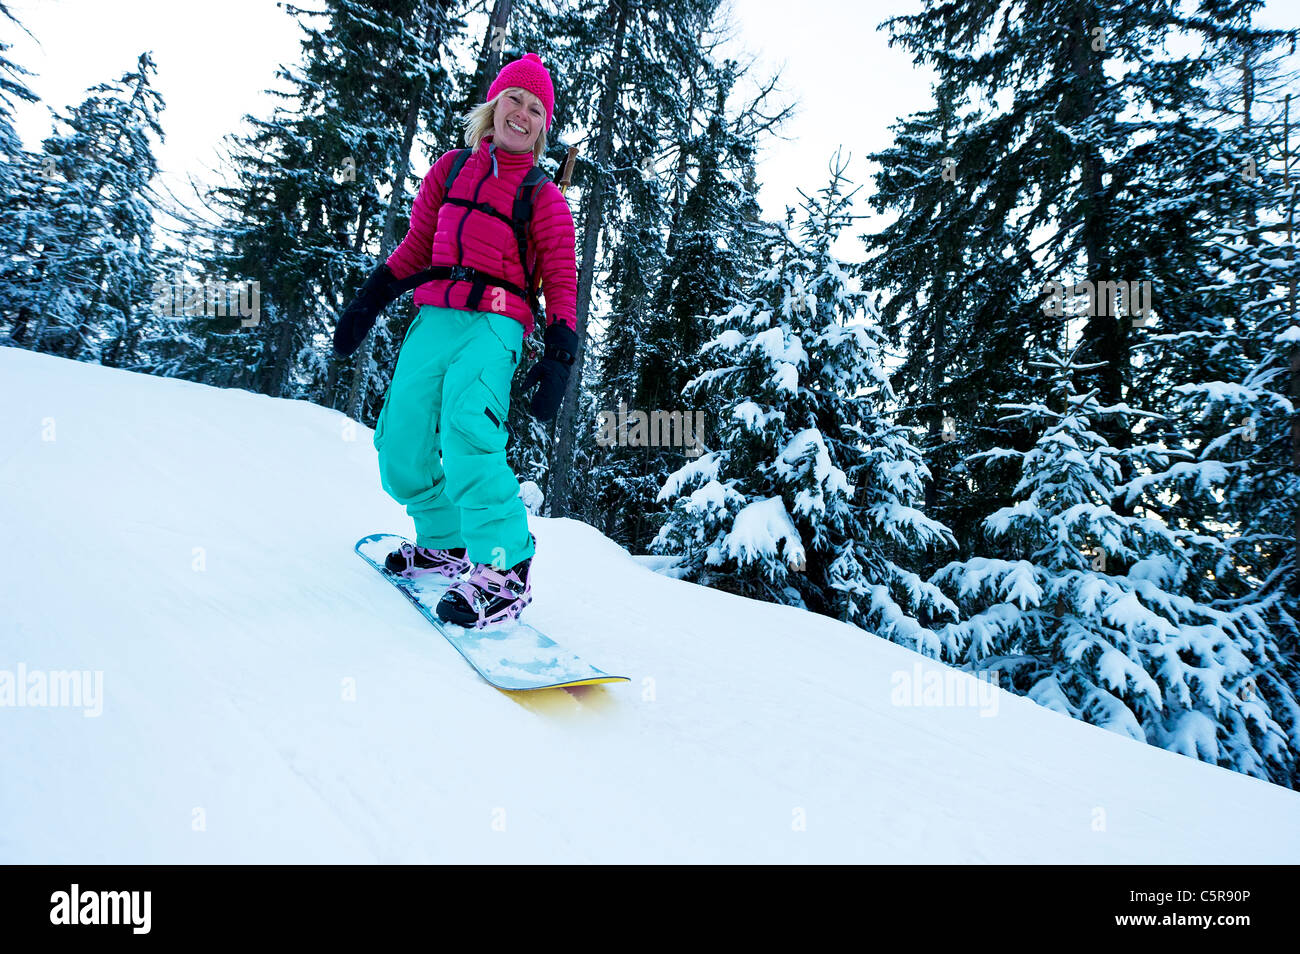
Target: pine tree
[617, 474]
[20, 200]
[956, 278]
[304, 215]
[671, 285]
[1062, 149]
[12, 86]
[798, 393]
[633, 56]
[1108, 617]
[95, 230]
[1240, 489]
[427, 91]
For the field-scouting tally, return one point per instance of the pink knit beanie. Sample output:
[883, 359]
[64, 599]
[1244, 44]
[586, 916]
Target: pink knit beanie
[528, 73]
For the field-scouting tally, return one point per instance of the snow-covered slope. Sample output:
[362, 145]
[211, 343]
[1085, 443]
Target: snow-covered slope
[266, 697]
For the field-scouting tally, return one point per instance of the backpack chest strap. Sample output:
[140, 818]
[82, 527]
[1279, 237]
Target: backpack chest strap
[482, 207]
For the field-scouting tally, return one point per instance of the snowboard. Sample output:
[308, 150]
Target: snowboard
[511, 655]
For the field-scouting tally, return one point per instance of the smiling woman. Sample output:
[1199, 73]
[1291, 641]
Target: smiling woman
[486, 217]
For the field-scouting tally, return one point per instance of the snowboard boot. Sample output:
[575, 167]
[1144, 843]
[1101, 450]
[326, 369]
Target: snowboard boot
[411, 561]
[488, 596]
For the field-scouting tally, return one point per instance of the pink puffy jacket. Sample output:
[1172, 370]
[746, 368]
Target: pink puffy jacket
[452, 234]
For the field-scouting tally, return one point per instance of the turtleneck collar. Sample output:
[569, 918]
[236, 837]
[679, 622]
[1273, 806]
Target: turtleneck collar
[511, 160]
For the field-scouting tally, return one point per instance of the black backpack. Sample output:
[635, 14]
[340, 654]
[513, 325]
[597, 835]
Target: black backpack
[518, 222]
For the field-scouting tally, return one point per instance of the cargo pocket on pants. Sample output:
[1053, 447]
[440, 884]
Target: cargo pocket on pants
[509, 332]
[484, 417]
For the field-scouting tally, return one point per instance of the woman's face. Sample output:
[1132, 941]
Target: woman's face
[518, 108]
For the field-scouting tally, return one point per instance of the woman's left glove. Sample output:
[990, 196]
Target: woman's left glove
[552, 370]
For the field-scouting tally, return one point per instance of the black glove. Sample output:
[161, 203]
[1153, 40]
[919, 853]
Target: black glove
[552, 370]
[380, 289]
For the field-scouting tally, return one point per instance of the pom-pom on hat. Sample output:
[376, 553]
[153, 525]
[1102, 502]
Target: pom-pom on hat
[528, 73]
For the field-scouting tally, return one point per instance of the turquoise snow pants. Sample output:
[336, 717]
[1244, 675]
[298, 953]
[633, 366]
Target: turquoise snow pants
[441, 434]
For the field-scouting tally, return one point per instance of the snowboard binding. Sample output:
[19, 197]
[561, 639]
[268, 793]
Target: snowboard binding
[410, 562]
[488, 596]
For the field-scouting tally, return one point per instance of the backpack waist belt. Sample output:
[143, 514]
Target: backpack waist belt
[462, 273]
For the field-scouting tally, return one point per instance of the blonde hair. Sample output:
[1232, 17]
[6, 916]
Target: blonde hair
[478, 123]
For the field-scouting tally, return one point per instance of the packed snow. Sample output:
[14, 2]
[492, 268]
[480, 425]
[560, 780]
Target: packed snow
[253, 691]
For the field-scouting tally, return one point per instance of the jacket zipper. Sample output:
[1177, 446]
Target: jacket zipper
[460, 229]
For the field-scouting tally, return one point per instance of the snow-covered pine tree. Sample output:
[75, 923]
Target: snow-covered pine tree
[1061, 149]
[96, 234]
[12, 86]
[960, 299]
[797, 392]
[305, 213]
[616, 475]
[652, 61]
[21, 205]
[1240, 491]
[369, 97]
[672, 285]
[1143, 653]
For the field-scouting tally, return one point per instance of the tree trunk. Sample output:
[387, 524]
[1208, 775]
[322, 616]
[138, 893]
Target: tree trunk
[1295, 346]
[281, 363]
[562, 461]
[494, 41]
[1251, 217]
[87, 313]
[939, 329]
[1107, 333]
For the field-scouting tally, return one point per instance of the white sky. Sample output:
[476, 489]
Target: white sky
[215, 60]
[213, 67]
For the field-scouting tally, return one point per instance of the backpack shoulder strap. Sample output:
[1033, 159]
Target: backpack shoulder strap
[422, 276]
[524, 198]
[461, 156]
[522, 216]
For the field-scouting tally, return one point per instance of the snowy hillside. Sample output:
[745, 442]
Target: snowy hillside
[266, 697]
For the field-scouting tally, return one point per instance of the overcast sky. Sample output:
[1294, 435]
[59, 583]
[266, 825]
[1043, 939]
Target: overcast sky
[216, 59]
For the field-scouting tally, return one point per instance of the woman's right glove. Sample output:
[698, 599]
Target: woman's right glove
[380, 290]
[552, 370]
